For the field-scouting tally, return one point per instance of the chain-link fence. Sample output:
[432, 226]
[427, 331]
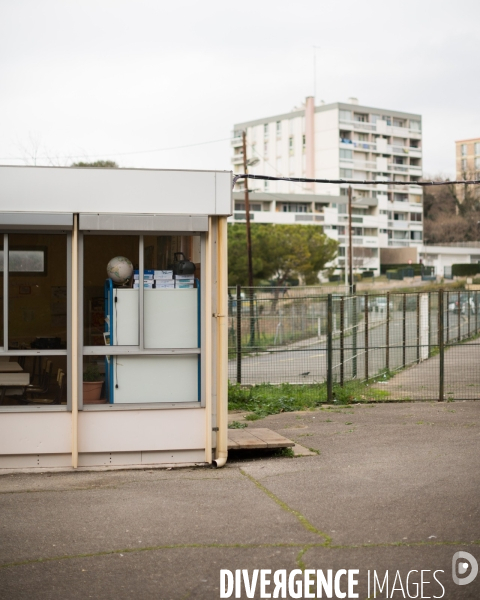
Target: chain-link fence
[419, 346]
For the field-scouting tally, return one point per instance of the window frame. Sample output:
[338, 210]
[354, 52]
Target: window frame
[139, 350]
[4, 350]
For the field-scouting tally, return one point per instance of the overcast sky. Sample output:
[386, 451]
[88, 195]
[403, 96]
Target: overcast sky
[90, 79]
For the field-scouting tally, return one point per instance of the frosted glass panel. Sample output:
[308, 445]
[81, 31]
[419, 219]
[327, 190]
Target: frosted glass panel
[170, 318]
[155, 379]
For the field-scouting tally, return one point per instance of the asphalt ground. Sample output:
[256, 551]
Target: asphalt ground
[393, 487]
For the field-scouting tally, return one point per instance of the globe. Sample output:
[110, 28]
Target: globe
[120, 269]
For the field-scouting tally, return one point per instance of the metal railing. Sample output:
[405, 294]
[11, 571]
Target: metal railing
[390, 346]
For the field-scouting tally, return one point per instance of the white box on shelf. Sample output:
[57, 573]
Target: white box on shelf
[167, 274]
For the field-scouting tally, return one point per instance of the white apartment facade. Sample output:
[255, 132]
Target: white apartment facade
[337, 141]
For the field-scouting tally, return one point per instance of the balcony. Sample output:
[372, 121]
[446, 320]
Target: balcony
[398, 168]
[237, 141]
[415, 170]
[237, 159]
[358, 125]
[365, 165]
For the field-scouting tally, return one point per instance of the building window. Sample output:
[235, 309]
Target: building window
[25, 261]
[265, 186]
[463, 149]
[346, 173]
[415, 125]
[416, 216]
[279, 128]
[295, 208]
[477, 147]
[416, 235]
[265, 130]
[254, 206]
[345, 115]
[398, 123]
[290, 144]
[464, 164]
[477, 162]
[265, 148]
[304, 141]
[360, 117]
[346, 154]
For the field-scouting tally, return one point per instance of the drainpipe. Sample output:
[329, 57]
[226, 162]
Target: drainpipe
[207, 279]
[222, 345]
[74, 344]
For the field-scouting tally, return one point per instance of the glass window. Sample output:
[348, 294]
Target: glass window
[121, 253]
[265, 129]
[279, 127]
[345, 115]
[464, 164]
[477, 147]
[37, 291]
[463, 149]
[415, 125]
[346, 173]
[346, 154]
[477, 162]
[35, 380]
[164, 363]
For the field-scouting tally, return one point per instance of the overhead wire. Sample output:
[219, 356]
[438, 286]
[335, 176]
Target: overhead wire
[370, 182]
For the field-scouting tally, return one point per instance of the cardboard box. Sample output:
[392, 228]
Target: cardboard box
[164, 284]
[147, 274]
[184, 286]
[146, 285]
[163, 274]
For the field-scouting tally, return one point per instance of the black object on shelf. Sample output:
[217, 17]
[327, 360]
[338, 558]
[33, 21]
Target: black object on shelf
[182, 267]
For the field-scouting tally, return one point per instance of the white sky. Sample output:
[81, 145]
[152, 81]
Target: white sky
[97, 78]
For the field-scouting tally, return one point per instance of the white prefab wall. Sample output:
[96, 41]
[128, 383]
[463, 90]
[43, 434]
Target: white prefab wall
[36, 433]
[141, 430]
[75, 190]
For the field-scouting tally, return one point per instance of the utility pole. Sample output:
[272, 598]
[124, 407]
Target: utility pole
[249, 240]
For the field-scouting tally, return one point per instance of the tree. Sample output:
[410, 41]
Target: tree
[451, 214]
[280, 252]
[101, 164]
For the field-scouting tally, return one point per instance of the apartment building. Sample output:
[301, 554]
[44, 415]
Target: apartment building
[468, 159]
[337, 141]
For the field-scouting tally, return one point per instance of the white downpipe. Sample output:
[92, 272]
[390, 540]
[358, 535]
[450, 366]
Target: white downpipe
[74, 344]
[222, 344]
[208, 342]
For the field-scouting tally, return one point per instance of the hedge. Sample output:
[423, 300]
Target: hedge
[465, 270]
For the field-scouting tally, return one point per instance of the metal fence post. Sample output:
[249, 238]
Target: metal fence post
[468, 311]
[404, 334]
[476, 312]
[387, 335]
[342, 335]
[353, 300]
[441, 347]
[459, 337]
[448, 315]
[239, 334]
[418, 328]
[366, 337]
[329, 348]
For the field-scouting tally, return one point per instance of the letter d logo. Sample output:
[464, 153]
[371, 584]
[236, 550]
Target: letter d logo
[462, 568]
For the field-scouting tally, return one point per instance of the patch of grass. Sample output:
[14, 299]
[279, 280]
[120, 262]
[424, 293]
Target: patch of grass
[285, 453]
[267, 399]
[237, 425]
[314, 450]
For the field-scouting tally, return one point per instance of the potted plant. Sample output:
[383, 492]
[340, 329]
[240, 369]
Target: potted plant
[92, 384]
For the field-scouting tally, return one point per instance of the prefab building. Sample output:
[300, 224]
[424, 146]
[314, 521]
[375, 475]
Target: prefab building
[154, 343]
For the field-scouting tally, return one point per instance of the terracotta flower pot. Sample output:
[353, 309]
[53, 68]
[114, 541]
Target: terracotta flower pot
[92, 391]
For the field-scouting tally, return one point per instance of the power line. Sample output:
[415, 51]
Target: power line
[353, 181]
[118, 153]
